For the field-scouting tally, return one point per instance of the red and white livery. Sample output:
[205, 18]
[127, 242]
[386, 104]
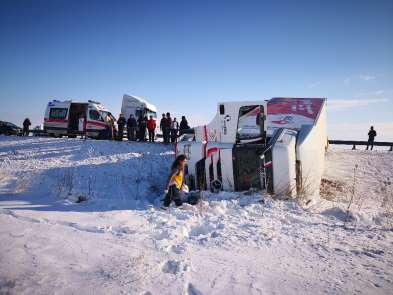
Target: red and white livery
[277, 144]
[62, 118]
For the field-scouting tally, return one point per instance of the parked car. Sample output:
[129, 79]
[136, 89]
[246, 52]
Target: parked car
[8, 128]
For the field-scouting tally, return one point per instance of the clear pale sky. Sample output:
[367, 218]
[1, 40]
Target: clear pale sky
[185, 56]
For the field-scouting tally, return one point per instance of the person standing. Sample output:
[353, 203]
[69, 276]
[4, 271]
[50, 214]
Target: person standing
[168, 123]
[151, 127]
[142, 121]
[111, 127]
[26, 125]
[183, 125]
[82, 126]
[121, 122]
[131, 128]
[162, 127]
[371, 136]
[174, 130]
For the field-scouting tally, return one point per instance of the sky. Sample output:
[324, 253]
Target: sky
[186, 56]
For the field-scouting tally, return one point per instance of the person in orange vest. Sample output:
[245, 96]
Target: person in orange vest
[151, 127]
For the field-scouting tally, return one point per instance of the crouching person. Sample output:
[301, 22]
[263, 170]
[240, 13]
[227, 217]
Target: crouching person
[175, 183]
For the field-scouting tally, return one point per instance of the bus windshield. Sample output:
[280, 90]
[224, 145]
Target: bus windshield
[150, 113]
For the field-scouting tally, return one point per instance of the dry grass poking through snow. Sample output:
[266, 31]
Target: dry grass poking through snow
[331, 188]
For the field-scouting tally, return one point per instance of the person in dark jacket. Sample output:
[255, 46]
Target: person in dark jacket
[151, 127]
[183, 125]
[26, 125]
[371, 136]
[168, 123]
[121, 122]
[142, 122]
[175, 182]
[131, 128]
[162, 128]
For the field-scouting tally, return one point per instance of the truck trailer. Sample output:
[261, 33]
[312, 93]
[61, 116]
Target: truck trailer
[276, 145]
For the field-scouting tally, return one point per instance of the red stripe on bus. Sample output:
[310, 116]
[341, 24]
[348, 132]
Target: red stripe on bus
[211, 151]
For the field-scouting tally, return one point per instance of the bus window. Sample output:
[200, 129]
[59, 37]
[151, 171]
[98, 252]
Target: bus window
[138, 113]
[249, 124]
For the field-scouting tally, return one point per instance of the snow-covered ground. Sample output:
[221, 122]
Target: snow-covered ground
[120, 242]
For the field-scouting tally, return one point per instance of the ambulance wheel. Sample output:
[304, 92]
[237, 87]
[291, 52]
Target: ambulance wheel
[71, 136]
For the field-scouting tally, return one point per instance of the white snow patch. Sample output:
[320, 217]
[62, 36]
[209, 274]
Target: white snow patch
[120, 242]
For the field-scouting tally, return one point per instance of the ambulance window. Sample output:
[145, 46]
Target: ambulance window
[248, 125]
[58, 113]
[95, 115]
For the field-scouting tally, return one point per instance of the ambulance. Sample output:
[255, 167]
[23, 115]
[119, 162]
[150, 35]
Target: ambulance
[62, 119]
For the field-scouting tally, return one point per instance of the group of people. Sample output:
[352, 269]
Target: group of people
[137, 129]
[171, 129]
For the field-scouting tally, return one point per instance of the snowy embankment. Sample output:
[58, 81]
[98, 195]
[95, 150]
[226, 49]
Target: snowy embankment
[118, 241]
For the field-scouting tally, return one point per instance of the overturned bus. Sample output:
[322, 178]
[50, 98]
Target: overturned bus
[278, 145]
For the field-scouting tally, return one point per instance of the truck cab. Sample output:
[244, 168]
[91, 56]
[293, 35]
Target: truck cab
[136, 106]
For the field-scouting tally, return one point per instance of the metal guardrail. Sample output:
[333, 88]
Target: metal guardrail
[354, 143]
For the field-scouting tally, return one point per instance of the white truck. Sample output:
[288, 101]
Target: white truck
[277, 145]
[62, 118]
[137, 107]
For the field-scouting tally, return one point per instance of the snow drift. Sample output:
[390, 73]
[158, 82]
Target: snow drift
[119, 242]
